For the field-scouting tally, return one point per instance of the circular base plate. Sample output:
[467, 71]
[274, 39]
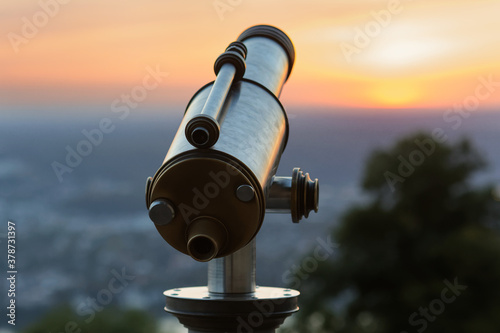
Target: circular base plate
[198, 309]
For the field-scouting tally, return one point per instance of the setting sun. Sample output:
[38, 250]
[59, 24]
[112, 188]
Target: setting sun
[368, 54]
[394, 94]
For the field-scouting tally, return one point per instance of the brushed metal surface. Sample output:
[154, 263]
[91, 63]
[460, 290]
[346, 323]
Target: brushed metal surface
[267, 63]
[252, 137]
[233, 274]
[280, 195]
[253, 131]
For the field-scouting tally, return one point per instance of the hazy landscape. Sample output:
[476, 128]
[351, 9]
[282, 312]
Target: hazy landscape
[76, 230]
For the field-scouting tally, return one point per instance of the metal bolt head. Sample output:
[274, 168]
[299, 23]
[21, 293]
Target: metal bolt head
[161, 212]
[245, 193]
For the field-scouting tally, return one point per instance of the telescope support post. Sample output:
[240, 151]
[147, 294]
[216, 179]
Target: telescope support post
[232, 302]
[233, 274]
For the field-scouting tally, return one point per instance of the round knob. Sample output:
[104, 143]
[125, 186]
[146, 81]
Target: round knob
[161, 212]
[305, 195]
[245, 193]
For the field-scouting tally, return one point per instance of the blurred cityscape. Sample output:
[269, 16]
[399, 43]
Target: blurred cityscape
[78, 229]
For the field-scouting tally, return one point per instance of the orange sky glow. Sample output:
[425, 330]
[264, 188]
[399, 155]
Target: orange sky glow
[359, 54]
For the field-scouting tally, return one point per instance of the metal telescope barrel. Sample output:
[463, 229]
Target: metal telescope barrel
[209, 197]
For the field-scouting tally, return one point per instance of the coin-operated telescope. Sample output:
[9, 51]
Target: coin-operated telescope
[209, 197]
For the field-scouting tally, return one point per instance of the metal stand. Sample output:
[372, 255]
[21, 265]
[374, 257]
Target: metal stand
[225, 154]
[232, 302]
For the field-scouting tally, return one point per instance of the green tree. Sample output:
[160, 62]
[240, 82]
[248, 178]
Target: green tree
[110, 320]
[422, 255]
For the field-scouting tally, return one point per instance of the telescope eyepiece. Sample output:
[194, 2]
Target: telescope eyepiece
[202, 248]
[206, 237]
[202, 131]
[238, 47]
[235, 55]
[200, 136]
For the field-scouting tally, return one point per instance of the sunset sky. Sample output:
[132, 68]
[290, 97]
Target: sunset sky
[359, 54]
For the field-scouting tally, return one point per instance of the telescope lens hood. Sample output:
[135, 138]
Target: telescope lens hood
[275, 34]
